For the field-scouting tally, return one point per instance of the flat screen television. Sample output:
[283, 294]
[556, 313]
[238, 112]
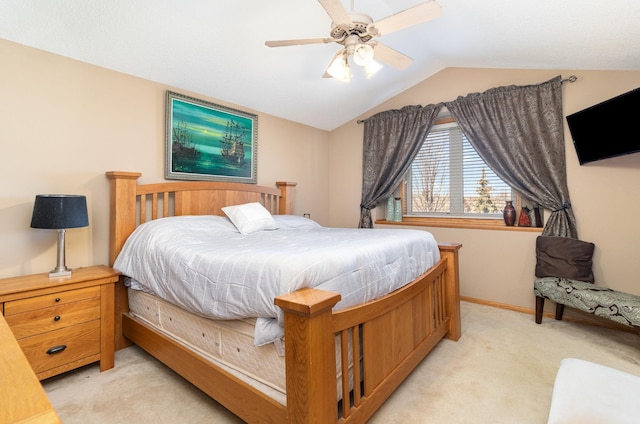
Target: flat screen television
[607, 129]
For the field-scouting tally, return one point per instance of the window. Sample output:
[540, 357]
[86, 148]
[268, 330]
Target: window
[449, 179]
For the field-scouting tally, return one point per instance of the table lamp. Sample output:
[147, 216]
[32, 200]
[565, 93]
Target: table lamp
[60, 212]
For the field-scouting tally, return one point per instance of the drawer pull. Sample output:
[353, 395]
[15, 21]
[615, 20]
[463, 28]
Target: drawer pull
[56, 349]
[56, 318]
[57, 299]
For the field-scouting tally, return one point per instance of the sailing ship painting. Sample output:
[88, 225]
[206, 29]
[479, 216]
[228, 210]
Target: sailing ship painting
[183, 146]
[233, 143]
[209, 142]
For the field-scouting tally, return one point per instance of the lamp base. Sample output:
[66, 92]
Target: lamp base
[60, 273]
[61, 269]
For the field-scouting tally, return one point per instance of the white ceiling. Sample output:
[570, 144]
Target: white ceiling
[216, 47]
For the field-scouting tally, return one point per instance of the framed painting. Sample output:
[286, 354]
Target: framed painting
[206, 141]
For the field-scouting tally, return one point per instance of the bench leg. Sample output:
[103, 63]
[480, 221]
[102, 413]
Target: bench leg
[559, 311]
[539, 309]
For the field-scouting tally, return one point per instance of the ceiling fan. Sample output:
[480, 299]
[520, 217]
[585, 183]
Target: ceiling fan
[357, 31]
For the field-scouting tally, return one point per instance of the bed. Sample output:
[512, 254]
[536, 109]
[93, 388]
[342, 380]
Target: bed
[389, 335]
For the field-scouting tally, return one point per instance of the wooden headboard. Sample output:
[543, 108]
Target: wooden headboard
[132, 204]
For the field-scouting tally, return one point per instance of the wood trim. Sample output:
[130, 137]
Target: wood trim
[469, 223]
[574, 316]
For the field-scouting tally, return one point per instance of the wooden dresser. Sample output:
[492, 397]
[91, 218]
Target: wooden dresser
[62, 323]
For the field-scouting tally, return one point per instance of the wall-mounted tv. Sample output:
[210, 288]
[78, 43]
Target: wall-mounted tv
[607, 129]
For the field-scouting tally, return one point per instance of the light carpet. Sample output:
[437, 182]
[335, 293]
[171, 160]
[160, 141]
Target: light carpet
[500, 371]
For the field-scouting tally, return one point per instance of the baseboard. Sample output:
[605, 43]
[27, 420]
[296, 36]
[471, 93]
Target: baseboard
[570, 315]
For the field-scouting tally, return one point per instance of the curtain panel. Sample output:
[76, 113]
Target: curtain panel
[391, 141]
[518, 131]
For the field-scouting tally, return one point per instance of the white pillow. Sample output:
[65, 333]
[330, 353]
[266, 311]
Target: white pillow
[250, 217]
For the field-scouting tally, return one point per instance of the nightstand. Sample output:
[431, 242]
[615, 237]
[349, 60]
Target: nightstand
[62, 323]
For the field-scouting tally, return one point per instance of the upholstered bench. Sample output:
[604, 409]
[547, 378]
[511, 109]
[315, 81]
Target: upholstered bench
[589, 393]
[564, 275]
[620, 307]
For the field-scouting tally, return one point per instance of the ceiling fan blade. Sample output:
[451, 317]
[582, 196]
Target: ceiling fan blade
[336, 11]
[412, 16]
[391, 57]
[284, 43]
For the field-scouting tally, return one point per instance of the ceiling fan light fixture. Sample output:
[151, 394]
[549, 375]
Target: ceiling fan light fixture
[339, 69]
[363, 54]
[371, 68]
[356, 31]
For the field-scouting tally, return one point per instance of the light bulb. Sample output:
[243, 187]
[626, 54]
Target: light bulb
[371, 68]
[339, 69]
[363, 54]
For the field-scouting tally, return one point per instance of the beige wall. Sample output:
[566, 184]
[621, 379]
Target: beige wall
[498, 266]
[64, 123]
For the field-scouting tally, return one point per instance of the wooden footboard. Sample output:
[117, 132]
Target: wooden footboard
[390, 335]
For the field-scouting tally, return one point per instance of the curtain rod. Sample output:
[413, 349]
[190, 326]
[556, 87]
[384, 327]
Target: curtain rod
[571, 78]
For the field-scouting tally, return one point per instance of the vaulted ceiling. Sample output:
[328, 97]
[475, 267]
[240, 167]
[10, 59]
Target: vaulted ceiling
[217, 48]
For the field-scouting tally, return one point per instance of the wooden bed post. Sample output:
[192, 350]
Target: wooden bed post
[310, 356]
[286, 197]
[121, 224]
[452, 284]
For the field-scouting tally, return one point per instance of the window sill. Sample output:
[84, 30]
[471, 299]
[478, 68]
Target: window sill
[475, 224]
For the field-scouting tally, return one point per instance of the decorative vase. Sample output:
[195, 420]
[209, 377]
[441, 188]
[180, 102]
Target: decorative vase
[538, 215]
[397, 210]
[391, 207]
[525, 220]
[532, 218]
[509, 214]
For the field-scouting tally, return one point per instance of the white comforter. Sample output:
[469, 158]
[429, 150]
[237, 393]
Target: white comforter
[204, 265]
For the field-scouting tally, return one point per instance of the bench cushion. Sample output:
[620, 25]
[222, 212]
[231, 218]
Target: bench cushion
[564, 257]
[617, 306]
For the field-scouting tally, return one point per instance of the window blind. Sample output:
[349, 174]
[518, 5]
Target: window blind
[449, 177]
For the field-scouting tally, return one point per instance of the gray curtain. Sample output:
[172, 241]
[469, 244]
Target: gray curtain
[518, 131]
[392, 140]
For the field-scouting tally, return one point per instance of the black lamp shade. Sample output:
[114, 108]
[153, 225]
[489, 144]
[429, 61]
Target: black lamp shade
[59, 211]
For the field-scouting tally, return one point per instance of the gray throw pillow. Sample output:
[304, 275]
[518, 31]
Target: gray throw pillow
[565, 258]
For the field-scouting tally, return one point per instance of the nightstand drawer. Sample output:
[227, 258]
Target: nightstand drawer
[49, 319]
[55, 348]
[49, 300]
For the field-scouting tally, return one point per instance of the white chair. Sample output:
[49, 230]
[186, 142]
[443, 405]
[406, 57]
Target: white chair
[589, 393]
